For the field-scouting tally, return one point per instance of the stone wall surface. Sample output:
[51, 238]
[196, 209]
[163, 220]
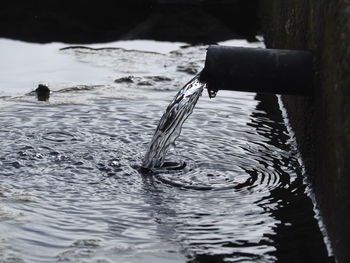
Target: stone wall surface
[321, 122]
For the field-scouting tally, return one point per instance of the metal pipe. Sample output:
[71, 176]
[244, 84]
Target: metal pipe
[258, 70]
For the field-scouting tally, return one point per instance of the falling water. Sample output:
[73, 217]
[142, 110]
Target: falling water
[169, 127]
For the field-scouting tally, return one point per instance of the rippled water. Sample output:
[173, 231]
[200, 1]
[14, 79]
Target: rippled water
[71, 188]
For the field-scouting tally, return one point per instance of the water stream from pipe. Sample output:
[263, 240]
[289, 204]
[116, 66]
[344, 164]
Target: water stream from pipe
[169, 127]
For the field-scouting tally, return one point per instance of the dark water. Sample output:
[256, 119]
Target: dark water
[72, 191]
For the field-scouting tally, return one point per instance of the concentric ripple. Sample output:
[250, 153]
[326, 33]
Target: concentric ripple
[245, 161]
[58, 136]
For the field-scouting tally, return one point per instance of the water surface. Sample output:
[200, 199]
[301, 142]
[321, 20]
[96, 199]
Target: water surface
[71, 188]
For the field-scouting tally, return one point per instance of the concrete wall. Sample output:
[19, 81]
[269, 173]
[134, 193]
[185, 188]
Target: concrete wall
[321, 122]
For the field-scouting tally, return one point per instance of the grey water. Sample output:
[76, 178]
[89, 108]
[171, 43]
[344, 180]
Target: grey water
[71, 182]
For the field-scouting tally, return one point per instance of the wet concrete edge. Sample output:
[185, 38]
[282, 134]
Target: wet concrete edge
[321, 122]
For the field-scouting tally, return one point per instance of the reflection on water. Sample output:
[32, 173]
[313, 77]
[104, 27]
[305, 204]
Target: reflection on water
[71, 190]
[25, 65]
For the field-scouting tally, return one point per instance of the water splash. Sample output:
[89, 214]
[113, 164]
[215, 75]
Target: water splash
[169, 127]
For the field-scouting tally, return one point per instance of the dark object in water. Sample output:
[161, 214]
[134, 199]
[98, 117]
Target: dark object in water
[128, 79]
[42, 92]
[258, 70]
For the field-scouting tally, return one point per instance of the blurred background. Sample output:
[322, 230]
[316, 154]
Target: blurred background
[192, 21]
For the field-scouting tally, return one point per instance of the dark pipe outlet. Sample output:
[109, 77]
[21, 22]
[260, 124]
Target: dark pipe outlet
[258, 70]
